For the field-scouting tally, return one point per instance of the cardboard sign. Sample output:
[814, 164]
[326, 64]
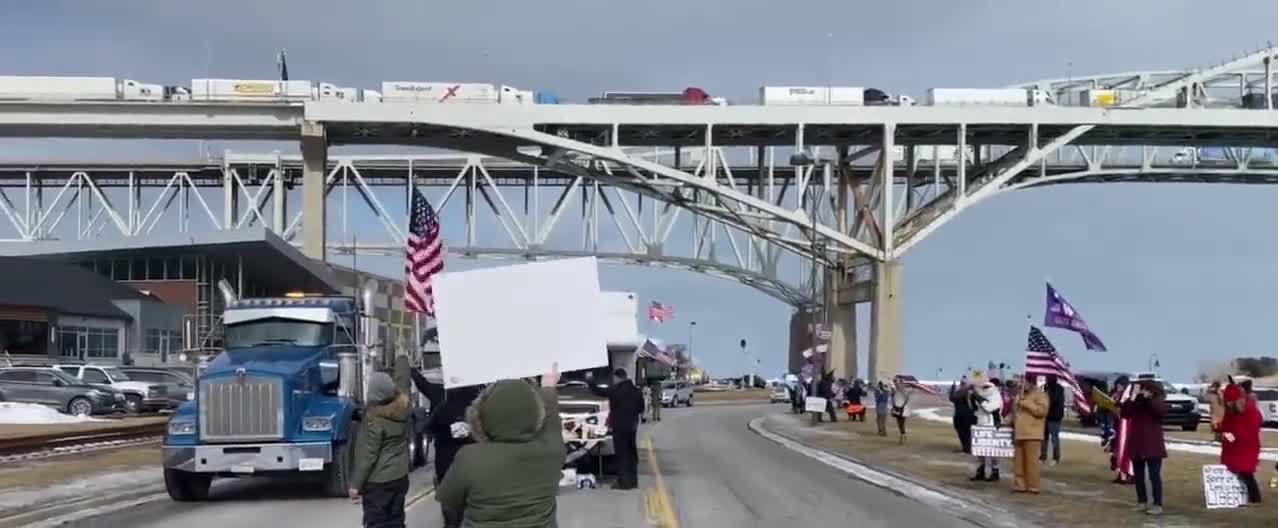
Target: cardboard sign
[1221, 488]
[991, 441]
[517, 321]
[814, 404]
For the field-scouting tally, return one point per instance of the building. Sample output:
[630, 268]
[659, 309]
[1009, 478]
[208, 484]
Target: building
[183, 272]
[64, 313]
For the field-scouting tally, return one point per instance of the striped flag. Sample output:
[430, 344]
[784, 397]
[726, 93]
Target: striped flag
[659, 312]
[425, 256]
[653, 350]
[1041, 359]
[913, 383]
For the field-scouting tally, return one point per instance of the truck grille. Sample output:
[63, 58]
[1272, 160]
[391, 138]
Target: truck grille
[242, 409]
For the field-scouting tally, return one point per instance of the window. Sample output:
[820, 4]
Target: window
[137, 269]
[17, 375]
[120, 269]
[94, 376]
[175, 341]
[73, 371]
[188, 268]
[278, 332]
[43, 378]
[147, 376]
[69, 343]
[155, 269]
[172, 269]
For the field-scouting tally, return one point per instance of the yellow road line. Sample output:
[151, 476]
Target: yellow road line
[657, 501]
[418, 497]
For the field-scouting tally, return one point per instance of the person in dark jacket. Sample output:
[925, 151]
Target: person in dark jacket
[1145, 443]
[510, 475]
[625, 406]
[447, 428]
[1055, 414]
[964, 413]
[825, 389]
[380, 476]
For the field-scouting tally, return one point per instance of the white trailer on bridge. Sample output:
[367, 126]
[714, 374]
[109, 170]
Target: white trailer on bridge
[812, 95]
[14, 87]
[255, 90]
[988, 97]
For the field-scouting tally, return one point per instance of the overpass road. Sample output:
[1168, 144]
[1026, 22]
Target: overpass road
[715, 471]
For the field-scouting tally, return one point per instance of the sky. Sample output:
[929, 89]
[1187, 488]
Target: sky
[1183, 271]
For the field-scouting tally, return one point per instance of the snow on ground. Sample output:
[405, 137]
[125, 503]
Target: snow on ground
[97, 484]
[933, 414]
[30, 413]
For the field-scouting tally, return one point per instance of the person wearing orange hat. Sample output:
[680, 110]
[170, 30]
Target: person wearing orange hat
[1240, 435]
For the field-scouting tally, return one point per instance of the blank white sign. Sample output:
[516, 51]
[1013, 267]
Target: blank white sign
[516, 321]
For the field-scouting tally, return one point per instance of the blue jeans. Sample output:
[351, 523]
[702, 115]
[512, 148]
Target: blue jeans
[1155, 466]
[1051, 433]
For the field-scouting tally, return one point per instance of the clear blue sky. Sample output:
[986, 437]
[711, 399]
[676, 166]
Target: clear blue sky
[1184, 271]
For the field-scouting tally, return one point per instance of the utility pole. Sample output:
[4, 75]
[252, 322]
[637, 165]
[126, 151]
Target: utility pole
[692, 325]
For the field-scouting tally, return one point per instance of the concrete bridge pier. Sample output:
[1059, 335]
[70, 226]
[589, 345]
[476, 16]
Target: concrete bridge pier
[314, 187]
[885, 322]
[882, 293]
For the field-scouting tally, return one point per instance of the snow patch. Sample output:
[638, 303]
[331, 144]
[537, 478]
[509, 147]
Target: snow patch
[26, 497]
[30, 413]
[933, 414]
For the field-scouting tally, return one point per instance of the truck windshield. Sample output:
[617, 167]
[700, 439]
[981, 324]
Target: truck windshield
[278, 332]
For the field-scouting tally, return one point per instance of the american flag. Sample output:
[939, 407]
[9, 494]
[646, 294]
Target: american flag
[913, 383]
[1041, 359]
[653, 350]
[425, 256]
[659, 312]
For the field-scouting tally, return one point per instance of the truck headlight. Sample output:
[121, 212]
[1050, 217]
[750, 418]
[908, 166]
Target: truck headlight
[182, 427]
[317, 423]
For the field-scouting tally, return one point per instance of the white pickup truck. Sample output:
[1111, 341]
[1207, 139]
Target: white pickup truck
[139, 396]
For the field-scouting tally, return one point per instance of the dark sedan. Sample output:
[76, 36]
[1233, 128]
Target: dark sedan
[54, 388]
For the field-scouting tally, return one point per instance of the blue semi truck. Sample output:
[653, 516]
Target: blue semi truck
[281, 398]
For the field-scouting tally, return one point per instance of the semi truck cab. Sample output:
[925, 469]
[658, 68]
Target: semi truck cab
[281, 398]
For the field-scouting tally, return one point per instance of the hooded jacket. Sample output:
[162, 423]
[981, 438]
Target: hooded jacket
[510, 477]
[382, 446]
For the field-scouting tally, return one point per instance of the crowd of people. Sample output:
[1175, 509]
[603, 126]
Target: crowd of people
[848, 396]
[1131, 430]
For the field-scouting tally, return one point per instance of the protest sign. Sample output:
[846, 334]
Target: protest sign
[1221, 488]
[991, 441]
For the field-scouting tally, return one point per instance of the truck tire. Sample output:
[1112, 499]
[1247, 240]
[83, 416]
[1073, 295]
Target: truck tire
[184, 486]
[337, 476]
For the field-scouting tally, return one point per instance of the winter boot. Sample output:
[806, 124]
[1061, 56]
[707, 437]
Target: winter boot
[979, 476]
[993, 476]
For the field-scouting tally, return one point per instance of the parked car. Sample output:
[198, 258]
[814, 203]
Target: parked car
[674, 393]
[52, 387]
[1267, 398]
[140, 396]
[779, 394]
[1182, 409]
[179, 385]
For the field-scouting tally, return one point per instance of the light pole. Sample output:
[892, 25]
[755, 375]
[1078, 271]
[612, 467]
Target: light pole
[692, 325]
[1153, 363]
[750, 385]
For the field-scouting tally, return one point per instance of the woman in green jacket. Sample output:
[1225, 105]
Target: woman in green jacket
[510, 477]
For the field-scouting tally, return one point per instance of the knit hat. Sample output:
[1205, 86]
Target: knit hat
[381, 388]
[1233, 393]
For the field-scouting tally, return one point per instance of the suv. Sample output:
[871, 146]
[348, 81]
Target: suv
[179, 385]
[674, 392]
[1182, 409]
[139, 396]
[47, 386]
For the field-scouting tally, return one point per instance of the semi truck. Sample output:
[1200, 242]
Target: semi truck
[23, 88]
[988, 97]
[689, 96]
[455, 92]
[282, 397]
[829, 96]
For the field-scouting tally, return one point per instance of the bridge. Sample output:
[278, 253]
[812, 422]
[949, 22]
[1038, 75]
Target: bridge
[771, 190]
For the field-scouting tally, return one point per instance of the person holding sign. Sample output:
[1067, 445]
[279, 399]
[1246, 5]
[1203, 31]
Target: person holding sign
[988, 402]
[1240, 432]
[1144, 414]
[1029, 424]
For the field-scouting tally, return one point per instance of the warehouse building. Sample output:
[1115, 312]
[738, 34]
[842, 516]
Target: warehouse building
[182, 274]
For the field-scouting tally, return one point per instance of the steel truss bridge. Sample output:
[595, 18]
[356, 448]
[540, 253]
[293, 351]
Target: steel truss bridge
[789, 200]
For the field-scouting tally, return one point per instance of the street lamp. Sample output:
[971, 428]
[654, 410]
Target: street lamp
[1153, 363]
[692, 325]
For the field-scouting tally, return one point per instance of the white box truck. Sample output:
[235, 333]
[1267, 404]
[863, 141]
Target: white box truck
[812, 95]
[988, 97]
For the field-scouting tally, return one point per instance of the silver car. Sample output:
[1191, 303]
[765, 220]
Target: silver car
[48, 386]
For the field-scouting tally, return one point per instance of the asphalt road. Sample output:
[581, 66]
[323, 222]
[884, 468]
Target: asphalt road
[713, 472]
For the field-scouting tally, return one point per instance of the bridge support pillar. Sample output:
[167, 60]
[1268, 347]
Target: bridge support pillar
[314, 179]
[885, 322]
[841, 358]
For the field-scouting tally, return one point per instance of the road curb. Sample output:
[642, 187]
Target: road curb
[964, 507]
